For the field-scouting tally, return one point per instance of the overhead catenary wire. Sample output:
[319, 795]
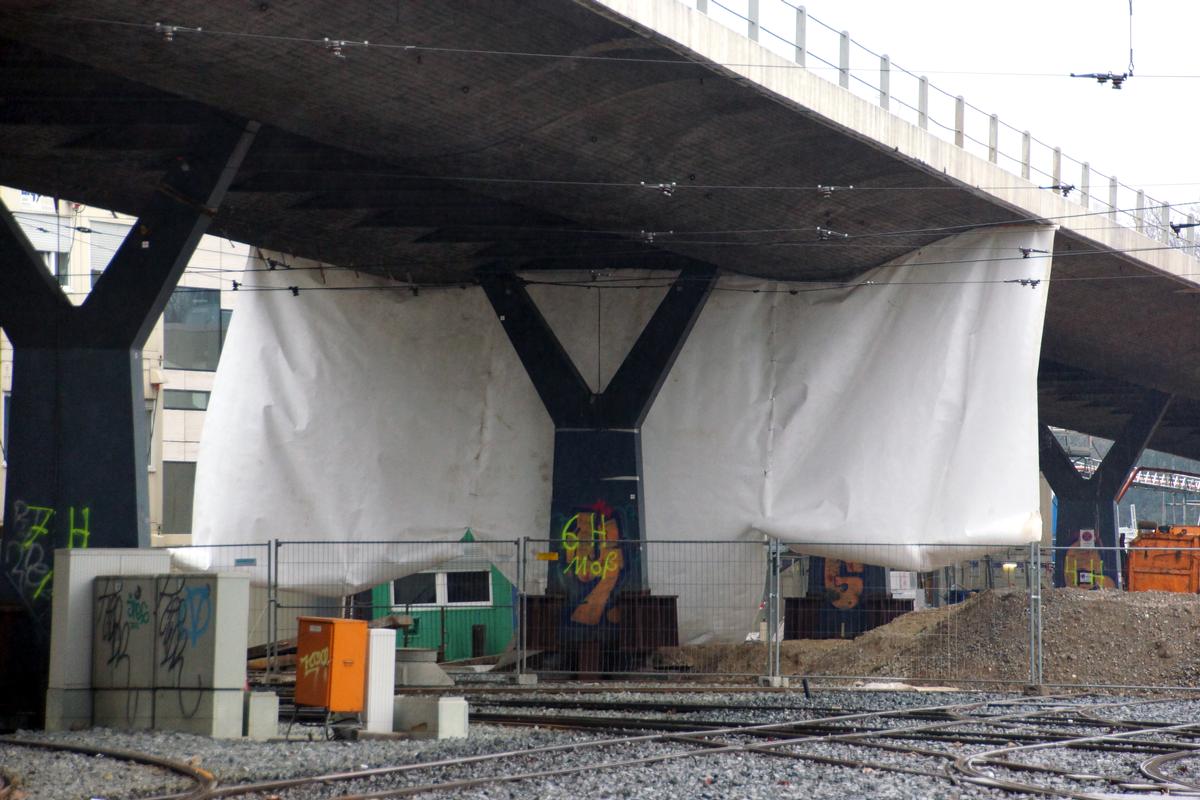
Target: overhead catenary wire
[686, 183]
[923, 231]
[677, 236]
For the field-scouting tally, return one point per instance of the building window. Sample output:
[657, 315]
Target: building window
[179, 483]
[58, 264]
[458, 588]
[192, 336]
[150, 434]
[179, 400]
[468, 587]
[415, 590]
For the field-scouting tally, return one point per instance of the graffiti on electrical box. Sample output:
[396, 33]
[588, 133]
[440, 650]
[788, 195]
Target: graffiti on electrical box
[184, 616]
[314, 662]
[591, 544]
[113, 626]
[29, 551]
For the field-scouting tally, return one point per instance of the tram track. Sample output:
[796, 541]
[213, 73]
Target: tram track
[203, 781]
[986, 743]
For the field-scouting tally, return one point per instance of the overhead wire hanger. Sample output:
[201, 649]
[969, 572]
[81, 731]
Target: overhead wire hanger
[1111, 77]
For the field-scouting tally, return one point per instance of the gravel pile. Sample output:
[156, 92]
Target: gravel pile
[987, 638]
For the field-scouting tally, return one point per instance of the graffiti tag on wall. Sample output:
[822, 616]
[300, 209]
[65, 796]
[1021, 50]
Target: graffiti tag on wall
[591, 543]
[29, 552]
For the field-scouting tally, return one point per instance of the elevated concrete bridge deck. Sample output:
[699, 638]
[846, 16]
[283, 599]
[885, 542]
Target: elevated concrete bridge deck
[517, 134]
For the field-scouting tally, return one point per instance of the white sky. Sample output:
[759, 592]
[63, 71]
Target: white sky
[1145, 134]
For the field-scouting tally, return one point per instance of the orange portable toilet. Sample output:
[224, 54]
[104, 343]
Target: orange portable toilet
[331, 663]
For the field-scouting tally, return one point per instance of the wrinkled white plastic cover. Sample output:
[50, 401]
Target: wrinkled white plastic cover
[893, 422]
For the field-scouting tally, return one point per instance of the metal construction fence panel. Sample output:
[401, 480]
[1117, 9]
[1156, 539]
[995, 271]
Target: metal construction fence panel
[457, 596]
[252, 560]
[594, 606]
[586, 606]
[1122, 616]
[972, 620]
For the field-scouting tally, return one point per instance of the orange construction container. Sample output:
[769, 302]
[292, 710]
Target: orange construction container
[1166, 561]
[331, 663]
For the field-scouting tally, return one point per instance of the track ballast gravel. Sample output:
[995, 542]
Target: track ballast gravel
[57, 776]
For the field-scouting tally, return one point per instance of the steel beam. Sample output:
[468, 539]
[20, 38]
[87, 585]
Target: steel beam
[1090, 504]
[597, 499]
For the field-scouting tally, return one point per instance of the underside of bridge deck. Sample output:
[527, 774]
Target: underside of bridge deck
[428, 164]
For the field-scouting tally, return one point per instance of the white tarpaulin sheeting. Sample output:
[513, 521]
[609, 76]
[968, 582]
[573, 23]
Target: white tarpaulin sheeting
[897, 413]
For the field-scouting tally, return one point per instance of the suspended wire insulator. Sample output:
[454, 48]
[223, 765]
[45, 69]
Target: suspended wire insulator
[665, 189]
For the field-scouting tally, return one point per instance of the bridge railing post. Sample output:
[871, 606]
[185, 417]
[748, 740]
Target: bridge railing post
[1165, 230]
[1056, 167]
[923, 103]
[960, 119]
[993, 138]
[801, 34]
[885, 81]
[1139, 213]
[844, 60]
[1085, 186]
[1112, 198]
[702, 6]
[1026, 147]
[752, 20]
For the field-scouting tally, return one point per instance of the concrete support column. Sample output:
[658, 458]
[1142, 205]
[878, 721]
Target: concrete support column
[1090, 504]
[78, 452]
[597, 499]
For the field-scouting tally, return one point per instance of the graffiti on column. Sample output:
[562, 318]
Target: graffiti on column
[844, 582]
[594, 563]
[1083, 564]
[29, 551]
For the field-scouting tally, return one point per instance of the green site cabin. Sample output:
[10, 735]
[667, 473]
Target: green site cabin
[449, 604]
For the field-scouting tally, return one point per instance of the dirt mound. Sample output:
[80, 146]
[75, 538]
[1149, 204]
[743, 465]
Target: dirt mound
[1120, 638]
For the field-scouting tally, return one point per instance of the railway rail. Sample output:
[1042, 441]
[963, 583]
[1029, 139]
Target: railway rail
[1000, 745]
